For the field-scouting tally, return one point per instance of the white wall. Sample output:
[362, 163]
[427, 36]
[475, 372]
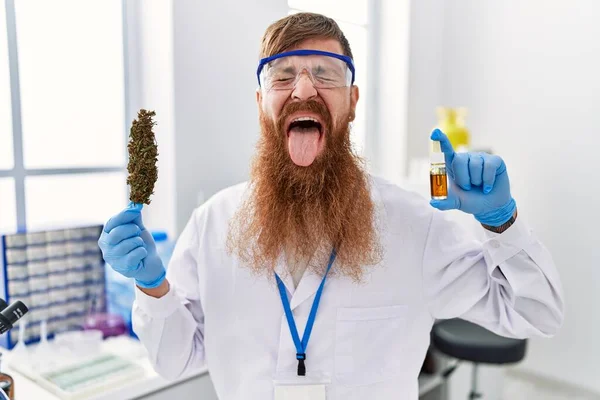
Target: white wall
[216, 48]
[389, 41]
[426, 65]
[528, 72]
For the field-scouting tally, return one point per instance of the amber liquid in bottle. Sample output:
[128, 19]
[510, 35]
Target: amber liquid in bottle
[438, 181]
[7, 384]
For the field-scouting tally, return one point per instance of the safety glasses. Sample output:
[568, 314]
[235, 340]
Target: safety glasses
[325, 70]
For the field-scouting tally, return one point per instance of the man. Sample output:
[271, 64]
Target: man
[315, 279]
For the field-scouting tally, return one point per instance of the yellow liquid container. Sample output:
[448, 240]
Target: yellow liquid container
[452, 123]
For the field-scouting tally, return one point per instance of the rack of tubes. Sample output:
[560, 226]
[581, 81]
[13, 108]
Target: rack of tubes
[58, 274]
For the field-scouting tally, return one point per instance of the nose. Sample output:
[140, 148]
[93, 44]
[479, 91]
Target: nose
[304, 89]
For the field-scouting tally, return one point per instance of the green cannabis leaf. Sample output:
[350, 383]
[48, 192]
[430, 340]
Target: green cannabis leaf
[143, 155]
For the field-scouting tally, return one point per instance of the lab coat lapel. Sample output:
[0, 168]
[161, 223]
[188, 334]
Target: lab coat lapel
[282, 270]
[308, 286]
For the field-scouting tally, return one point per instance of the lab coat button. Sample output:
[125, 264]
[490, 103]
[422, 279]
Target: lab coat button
[494, 244]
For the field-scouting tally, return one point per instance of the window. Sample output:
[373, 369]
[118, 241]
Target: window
[352, 17]
[6, 144]
[73, 206]
[62, 112]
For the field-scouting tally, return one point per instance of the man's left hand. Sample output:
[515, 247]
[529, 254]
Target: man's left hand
[478, 185]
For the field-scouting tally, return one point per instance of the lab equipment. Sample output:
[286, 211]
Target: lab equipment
[55, 273]
[326, 70]
[109, 324]
[43, 355]
[81, 368]
[11, 314]
[76, 364]
[479, 185]
[438, 180]
[127, 246]
[90, 377]
[86, 342]
[20, 349]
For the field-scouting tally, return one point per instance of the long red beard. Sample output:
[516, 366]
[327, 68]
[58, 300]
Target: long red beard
[306, 211]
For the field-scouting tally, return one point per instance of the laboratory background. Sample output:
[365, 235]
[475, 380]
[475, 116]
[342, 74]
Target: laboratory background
[515, 78]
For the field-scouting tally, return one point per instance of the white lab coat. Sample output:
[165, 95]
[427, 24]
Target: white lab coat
[369, 338]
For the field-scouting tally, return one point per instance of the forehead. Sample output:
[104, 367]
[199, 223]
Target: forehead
[330, 45]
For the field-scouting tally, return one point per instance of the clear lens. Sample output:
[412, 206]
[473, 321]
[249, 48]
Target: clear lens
[325, 72]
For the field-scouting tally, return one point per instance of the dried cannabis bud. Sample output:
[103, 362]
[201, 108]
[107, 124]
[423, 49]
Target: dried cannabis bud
[143, 153]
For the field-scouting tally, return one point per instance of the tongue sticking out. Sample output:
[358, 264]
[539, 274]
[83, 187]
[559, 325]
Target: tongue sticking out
[303, 145]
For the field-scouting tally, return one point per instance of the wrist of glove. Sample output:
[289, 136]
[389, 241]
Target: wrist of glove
[151, 275]
[152, 284]
[498, 216]
[128, 247]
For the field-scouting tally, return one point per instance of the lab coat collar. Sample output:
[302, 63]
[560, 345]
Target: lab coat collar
[307, 287]
[281, 269]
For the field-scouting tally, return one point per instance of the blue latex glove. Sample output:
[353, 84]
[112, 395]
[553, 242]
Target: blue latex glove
[130, 249]
[478, 184]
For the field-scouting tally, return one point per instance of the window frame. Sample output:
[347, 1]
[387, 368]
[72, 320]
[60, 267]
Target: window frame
[19, 173]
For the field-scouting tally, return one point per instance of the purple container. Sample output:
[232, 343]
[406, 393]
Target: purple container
[109, 324]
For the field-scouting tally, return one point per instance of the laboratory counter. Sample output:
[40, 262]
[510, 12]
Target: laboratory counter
[144, 387]
[150, 386]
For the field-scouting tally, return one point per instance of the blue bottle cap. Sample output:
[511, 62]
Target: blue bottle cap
[159, 236]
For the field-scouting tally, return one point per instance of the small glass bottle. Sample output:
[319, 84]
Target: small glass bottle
[7, 384]
[438, 179]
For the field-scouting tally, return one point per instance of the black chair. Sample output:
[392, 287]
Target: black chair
[466, 341]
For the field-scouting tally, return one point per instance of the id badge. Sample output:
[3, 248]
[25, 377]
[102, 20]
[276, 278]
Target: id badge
[294, 387]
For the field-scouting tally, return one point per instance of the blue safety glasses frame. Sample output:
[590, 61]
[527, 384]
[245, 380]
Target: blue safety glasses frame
[305, 52]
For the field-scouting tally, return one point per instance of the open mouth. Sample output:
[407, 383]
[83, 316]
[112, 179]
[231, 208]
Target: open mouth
[305, 139]
[305, 125]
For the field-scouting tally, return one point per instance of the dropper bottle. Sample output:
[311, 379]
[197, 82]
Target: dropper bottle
[438, 179]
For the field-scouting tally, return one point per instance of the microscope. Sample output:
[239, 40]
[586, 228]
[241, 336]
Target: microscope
[9, 315]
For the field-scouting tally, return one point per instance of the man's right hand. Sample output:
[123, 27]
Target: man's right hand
[128, 247]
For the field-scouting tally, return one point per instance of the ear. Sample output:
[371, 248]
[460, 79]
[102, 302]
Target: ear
[354, 95]
[258, 96]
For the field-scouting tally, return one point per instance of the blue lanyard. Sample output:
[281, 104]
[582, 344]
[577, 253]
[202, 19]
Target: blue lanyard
[301, 345]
